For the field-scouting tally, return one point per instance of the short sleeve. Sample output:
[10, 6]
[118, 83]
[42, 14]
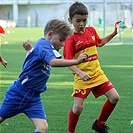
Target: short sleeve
[68, 51]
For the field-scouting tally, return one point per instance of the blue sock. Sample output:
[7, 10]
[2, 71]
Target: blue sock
[37, 132]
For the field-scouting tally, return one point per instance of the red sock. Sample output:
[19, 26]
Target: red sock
[107, 109]
[72, 121]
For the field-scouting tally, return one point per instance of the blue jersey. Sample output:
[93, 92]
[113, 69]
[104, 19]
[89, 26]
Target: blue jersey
[36, 68]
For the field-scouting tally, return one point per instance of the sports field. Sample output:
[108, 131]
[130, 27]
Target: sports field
[116, 61]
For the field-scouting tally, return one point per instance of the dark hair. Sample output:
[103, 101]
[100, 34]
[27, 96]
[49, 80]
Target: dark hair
[58, 27]
[77, 8]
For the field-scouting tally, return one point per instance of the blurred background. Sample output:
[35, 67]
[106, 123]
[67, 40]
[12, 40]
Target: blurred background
[35, 13]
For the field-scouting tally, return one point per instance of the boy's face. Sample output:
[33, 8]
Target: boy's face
[57, 41]
[79, 22]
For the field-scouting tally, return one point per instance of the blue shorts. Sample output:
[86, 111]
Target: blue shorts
[21, 100]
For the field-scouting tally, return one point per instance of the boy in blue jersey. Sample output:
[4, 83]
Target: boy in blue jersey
[23, 95]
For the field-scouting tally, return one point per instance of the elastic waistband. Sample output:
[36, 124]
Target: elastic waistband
[22, 87]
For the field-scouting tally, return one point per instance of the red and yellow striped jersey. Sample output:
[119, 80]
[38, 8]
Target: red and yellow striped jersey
[86, 42]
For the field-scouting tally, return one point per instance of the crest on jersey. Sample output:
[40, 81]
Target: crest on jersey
[93, 37]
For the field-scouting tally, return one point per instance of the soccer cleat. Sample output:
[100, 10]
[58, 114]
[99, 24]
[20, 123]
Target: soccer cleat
[100, 130]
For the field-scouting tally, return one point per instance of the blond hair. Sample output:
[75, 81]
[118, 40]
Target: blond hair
[58, 27]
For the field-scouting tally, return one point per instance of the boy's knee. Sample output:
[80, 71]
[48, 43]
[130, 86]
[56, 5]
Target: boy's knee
[77, 109]
[115, 99]
[43, 127]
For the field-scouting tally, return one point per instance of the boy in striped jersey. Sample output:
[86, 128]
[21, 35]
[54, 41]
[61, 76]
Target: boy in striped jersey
[88, 76]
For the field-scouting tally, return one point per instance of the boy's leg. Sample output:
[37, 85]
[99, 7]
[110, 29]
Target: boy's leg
[40, 124]
[72, 121]
[1, 119]
[37, 114]
[108, 107]
[109, 91]
[75, 113]
[10, 103]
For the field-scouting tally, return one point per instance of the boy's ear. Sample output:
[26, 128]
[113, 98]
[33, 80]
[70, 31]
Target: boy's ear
[50, 34]
[69, 19]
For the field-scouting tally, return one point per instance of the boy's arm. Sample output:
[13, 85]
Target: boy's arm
[109, 37]
[3, 62]
[84, 76]
[27, 46]
[65, 63]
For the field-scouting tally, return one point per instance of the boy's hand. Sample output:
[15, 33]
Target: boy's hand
[4, 63]
[84, 76]
[82, 57]
[27, 45]
[117, 25]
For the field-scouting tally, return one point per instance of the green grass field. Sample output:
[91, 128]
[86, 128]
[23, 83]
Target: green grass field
[116, 61]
